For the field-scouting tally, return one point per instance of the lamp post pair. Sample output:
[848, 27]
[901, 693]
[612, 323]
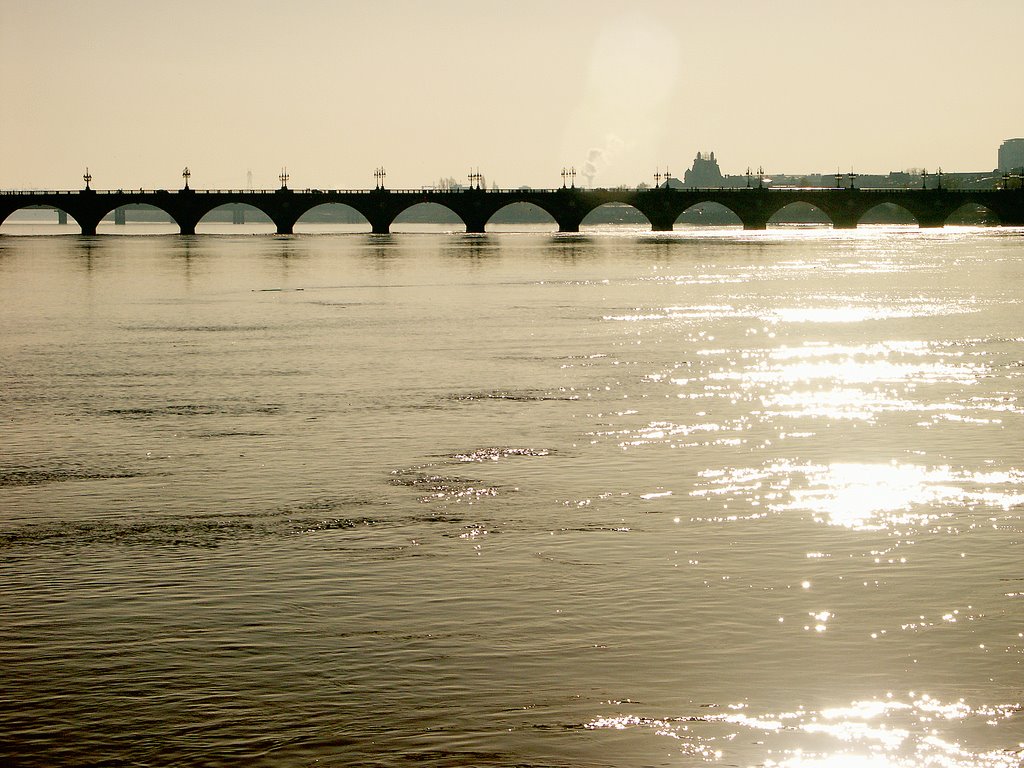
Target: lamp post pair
[851, 176]
[924, 179]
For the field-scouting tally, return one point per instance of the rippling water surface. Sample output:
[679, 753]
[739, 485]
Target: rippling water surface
[618, 499]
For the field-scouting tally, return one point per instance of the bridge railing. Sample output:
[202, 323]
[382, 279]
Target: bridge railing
[76, 192]
[427, 190]
[307, 191]
[39, 192]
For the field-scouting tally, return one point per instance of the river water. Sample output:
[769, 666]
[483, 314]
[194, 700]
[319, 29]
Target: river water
[628, 499]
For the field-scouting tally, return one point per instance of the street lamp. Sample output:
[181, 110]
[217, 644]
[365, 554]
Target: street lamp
[657, 178]
[379, 174]
[924, 179]
[565, 173]
[87, 177]
[760, 177]
[572, 175]
[748, 177]
[185, 174]
[283, 178]
[839, 179]
[940, 177]
[853, 176]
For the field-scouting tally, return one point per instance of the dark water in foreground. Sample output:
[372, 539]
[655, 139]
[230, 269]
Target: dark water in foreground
[620, 499]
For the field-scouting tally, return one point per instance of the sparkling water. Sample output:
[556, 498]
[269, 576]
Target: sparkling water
[518, 499]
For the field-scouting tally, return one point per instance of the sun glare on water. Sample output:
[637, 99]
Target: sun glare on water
[884, 732]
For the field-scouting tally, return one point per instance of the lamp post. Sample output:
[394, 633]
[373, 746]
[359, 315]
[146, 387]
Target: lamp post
[283, 178]
[748, 177]
[657, 178]
[853, 176]
[565, 173]
[924, 179]
[186, 174]
[760, 177]
[940, 177]
[839, 179]
[379, 174]
[572, 176]
[87, 177]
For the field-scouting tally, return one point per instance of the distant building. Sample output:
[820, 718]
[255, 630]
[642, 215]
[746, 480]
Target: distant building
[704, 173]
[1011, 155]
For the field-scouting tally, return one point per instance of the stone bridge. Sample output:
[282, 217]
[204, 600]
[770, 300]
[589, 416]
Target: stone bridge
[568, 206]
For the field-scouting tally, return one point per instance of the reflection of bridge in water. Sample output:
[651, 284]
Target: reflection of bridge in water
[568, 206]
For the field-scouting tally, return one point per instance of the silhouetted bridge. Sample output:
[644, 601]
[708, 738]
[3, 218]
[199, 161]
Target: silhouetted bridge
[568, 206]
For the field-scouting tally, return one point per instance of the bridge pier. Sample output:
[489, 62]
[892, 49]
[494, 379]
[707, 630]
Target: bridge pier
[569, 223]
[88, 224]
[931, 222]
[285, 220]
[843, 219]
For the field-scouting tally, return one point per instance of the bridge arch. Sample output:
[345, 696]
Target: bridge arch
[800, 212]
[614, 213]
[709, 213]
[888, 212]
[332, 216]
[115, 215]
[973, 215]
[10, 220]
[224, 218]
[423, 215]
[520, 213]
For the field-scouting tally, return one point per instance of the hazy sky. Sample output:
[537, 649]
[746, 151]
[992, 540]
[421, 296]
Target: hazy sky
[519, 88]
